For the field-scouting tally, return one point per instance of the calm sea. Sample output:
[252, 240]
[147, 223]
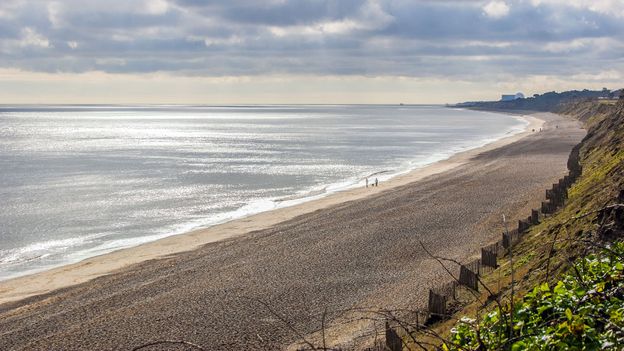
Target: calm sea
[79, 181]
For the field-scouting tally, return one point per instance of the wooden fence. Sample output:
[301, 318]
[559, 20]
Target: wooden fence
[439, 297]
[489, 258]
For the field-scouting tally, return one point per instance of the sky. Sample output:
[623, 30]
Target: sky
[305, 51]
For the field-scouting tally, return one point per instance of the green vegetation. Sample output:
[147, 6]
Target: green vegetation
[583, 311]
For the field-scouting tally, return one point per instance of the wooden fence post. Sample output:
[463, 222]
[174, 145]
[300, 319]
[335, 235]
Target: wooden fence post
[468, 278]
[506, 241]
[488, 258]
[393, 340]
[454, 288]
[437, 304]
[545, 209]
[522, 226]
[535, 217]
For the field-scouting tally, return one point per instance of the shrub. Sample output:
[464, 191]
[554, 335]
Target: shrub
[583, 311]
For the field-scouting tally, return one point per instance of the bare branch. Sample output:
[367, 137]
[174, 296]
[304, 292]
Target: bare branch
[161, 342]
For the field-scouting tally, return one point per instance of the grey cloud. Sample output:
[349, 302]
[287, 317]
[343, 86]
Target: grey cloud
[276, 13]
[525, 22]
[289, 13]
[219, 38]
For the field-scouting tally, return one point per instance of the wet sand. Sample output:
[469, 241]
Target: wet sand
[355, 248]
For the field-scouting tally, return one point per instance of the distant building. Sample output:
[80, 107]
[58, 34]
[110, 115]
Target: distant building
[510, 97]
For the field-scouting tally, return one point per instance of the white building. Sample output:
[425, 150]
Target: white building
[509, 97]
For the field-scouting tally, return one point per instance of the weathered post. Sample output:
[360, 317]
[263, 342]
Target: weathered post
[523, 226]
[505, 241]
[468, 278]
[535, 217]
[437, 304]
[556, 194]
[488, 258]
[393, 340]
[545, 207]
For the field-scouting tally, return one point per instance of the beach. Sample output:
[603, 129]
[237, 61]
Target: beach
[221, 287]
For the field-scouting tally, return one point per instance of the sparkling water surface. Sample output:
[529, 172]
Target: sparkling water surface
[79, 181]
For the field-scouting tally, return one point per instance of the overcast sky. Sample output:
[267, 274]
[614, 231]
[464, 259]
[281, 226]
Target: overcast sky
[306, 51]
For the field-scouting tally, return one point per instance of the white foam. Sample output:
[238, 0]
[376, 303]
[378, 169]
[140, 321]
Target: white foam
[254, 207]
[38, 250]
[40, 256]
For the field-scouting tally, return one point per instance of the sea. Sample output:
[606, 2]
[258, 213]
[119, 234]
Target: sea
[82, 180]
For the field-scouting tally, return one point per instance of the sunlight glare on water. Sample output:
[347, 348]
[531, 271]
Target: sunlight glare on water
[81, 181]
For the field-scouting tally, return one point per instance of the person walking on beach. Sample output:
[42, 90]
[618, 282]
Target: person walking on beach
[367, 182]
[376, 182]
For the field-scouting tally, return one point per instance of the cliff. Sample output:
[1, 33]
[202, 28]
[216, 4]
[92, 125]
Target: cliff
[568, 288]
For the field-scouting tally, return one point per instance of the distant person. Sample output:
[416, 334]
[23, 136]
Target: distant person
[376, 182]
[367, 182]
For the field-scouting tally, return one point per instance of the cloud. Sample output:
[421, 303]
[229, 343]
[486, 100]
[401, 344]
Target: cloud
[156, 7]
[458, 39]
[54, 9]
[610, 7]
[496, 9]
[30, 38]
[222, 41]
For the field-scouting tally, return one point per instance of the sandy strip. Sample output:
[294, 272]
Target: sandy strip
[61, 277]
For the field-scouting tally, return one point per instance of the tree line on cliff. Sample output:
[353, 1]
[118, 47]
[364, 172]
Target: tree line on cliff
[547, 102]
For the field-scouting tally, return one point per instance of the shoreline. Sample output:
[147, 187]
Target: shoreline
[43, 282]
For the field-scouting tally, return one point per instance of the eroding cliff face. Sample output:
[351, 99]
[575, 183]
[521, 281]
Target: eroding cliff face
[602, 151]
[602, 155]
[586, 110]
